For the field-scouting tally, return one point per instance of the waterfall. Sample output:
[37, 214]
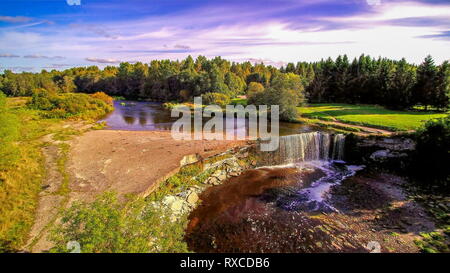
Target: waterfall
[311, 146]
[338, 147]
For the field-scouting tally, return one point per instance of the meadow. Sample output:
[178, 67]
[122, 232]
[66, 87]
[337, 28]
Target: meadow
[369, 115]
[24, 121]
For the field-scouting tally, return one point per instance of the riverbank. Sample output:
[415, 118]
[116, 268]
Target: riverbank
[97, 161]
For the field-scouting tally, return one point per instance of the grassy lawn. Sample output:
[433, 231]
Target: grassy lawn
[237, 101]
[369, 115]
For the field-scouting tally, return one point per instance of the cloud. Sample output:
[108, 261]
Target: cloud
[260, 30]
[73, 2]
[7, 55]
[444, 35]
[96, 29]
[185, 47]
[19, 68]
[37, 56]
[102, 61]
[15, 19]
[154, 51]
[266, 62]
[57, 66]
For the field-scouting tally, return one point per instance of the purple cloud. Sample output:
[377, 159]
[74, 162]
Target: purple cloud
[15, 19]
[102, 61]
[444, 35]
[37, 56]
[7, 55]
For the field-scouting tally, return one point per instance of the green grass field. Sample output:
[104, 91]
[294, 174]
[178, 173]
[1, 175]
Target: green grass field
[369, 115]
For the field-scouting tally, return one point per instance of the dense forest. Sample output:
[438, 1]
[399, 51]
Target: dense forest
[391, 83]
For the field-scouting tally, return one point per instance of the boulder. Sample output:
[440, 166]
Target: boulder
[382, 155]
[192, 198]
[212, 180]
[189, 159]
[174, 203]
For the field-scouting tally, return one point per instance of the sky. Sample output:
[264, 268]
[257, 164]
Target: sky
[59, 34]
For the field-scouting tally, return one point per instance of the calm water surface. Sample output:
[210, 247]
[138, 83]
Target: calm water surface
[152, 116]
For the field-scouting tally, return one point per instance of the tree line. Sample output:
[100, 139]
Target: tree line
[391, 83]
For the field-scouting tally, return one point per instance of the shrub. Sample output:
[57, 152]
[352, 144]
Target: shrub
[216, 99]
[110, 226]
[71, 104]
[431, 160]
[103, 97]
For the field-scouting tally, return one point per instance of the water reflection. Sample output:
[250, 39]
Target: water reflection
[151, 116]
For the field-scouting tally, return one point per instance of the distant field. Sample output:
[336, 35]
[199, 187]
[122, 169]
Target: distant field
[237, 101]
[369, 115]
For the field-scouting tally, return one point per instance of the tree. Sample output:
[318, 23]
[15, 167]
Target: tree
[286, 91]
[364, 80]
[442, 97]
[235, 84]
[400, 87]
[253, 89]
[425, 87]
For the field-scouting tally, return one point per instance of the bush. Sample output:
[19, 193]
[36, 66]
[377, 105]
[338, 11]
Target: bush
[103, 97]
[110, 226]
[431, 160]
[216, 99]
[71, 104]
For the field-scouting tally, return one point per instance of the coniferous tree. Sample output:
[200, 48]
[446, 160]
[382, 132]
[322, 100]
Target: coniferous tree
[425, 86]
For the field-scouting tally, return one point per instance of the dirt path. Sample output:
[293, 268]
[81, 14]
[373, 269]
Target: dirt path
[107, 160]
[365, 130]
[49, 200]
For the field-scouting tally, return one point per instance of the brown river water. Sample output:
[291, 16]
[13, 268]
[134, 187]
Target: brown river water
[263, 210]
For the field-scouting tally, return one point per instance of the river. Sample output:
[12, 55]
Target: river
[152, 116]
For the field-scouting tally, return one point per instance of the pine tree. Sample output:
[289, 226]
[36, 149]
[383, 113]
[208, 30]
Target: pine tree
[442, 96]
[425, 87]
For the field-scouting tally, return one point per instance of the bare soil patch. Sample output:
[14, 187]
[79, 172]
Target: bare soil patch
[130, 161]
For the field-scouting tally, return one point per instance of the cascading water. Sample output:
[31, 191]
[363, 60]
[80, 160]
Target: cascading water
[311, 146]
[271, 203]
[338, 147]
[315, 150]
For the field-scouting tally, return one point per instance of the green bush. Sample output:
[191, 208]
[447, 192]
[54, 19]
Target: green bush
[431, 160]
[216, 99]
[110, 226]
[70, 105]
